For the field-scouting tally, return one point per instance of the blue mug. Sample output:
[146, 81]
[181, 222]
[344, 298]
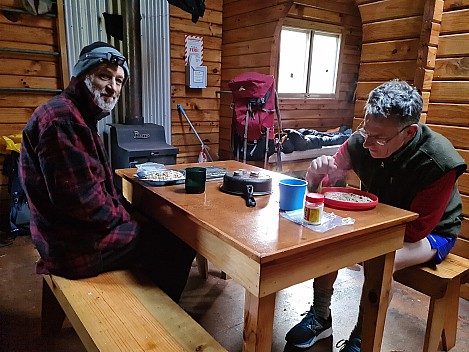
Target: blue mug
[292, 193]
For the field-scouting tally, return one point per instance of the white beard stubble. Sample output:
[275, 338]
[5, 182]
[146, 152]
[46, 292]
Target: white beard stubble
[96, 93]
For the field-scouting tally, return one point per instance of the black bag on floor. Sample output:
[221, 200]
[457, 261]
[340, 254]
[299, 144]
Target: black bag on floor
[19, 208]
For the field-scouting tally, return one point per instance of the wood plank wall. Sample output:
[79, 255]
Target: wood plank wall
[250, 43]
[391, 44]
[251, 32]
[448, 109]
[201, 105]
[25, 70]
[323, 114]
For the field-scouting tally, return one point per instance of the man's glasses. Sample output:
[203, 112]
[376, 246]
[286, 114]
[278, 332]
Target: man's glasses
[112, 58]
[376, 140]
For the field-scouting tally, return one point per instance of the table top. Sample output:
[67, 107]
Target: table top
[261, 232]
[265, 252]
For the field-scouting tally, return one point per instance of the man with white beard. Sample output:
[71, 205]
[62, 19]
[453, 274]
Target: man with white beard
[79, 224]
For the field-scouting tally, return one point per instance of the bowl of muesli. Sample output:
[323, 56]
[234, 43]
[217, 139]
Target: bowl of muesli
[162, 177]
[348, 198]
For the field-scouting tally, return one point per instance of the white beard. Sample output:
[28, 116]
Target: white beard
[97, 95]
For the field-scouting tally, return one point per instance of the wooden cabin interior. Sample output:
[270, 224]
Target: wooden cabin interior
[425, 42]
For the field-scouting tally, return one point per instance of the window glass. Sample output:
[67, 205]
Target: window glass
[324, 59]
[308, 62]
[293, 68]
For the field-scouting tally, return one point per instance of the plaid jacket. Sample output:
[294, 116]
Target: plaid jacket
[76, 213]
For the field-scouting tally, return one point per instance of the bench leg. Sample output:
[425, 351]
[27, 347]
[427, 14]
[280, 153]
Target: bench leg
[202, 265]
[224, 276]
[448, 336]
[435, 323]
[52, 314]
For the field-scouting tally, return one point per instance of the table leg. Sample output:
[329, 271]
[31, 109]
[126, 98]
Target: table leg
[258, 322]
[378, 278]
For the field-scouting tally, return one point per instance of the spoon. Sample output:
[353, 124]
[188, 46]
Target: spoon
[319, 189]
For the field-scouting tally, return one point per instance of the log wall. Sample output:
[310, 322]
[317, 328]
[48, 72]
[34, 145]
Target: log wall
[251, 32]
[448, 108]
[20, 71]
[323, 114]
[250, 43]
[392, 31]
[201, 105]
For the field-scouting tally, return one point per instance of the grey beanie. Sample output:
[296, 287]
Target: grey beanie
[96, 53]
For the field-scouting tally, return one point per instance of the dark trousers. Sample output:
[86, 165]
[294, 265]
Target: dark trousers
[158, 253]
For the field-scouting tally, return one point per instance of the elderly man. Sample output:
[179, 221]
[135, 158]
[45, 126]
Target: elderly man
[79, 224]
[406, 165]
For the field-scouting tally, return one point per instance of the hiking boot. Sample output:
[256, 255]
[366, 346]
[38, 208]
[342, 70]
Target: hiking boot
[310, 330]
[352, 345]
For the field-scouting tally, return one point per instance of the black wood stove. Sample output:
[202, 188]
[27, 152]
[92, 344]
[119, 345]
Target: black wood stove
[130, 145]
[135, 142]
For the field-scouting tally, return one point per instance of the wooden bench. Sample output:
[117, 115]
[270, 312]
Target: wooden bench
[442, 283]
[121, 311]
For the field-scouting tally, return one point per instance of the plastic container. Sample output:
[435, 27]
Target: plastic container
[314, 207]
[292, 194]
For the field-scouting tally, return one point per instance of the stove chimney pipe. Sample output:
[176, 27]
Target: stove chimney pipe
[132, 44]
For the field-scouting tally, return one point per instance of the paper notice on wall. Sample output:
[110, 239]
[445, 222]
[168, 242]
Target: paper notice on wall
[198, 76]
[194, 55]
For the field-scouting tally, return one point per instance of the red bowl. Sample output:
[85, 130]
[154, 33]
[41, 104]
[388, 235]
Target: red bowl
[339, 204]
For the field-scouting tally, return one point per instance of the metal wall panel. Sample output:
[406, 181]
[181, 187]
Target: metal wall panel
[156, 80]
[84, 24]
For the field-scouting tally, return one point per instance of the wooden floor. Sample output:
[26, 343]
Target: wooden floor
[217, 304]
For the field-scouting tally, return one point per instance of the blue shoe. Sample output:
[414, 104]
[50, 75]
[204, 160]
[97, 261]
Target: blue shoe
[352, 345]
[310, 330]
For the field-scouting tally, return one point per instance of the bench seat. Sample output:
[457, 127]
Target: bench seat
[442, 283]
[121, 311]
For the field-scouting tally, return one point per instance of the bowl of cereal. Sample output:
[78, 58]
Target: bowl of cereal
[349, 198]
[161, 177]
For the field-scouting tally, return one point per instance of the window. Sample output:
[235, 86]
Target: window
[308, 62]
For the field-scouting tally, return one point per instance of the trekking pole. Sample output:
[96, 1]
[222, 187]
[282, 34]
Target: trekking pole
[204, 147]
[266, 155]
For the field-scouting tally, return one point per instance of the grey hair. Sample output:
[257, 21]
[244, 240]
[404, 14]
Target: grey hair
[397, 100]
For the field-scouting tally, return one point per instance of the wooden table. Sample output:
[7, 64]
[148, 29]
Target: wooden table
[266, 253]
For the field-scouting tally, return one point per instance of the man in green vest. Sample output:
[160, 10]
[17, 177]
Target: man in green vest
[405, 164]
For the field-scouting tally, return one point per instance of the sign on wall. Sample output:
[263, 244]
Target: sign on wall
[194, 50]
[196, 74]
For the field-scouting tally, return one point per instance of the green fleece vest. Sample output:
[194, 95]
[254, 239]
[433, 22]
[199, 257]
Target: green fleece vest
[397, 179]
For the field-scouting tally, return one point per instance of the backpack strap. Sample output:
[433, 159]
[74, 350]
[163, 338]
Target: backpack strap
[245, 137]
[261, 101]
[234, 143]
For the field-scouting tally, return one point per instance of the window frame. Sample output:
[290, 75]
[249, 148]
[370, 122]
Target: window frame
[320, 28]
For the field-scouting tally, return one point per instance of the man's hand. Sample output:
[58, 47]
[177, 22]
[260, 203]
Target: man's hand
[319, 168]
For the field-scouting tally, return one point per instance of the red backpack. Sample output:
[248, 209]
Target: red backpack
[254, 109]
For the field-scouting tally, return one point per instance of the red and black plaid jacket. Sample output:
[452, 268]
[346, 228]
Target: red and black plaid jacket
[76, 213]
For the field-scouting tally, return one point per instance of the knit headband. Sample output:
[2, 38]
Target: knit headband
[97, 53]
